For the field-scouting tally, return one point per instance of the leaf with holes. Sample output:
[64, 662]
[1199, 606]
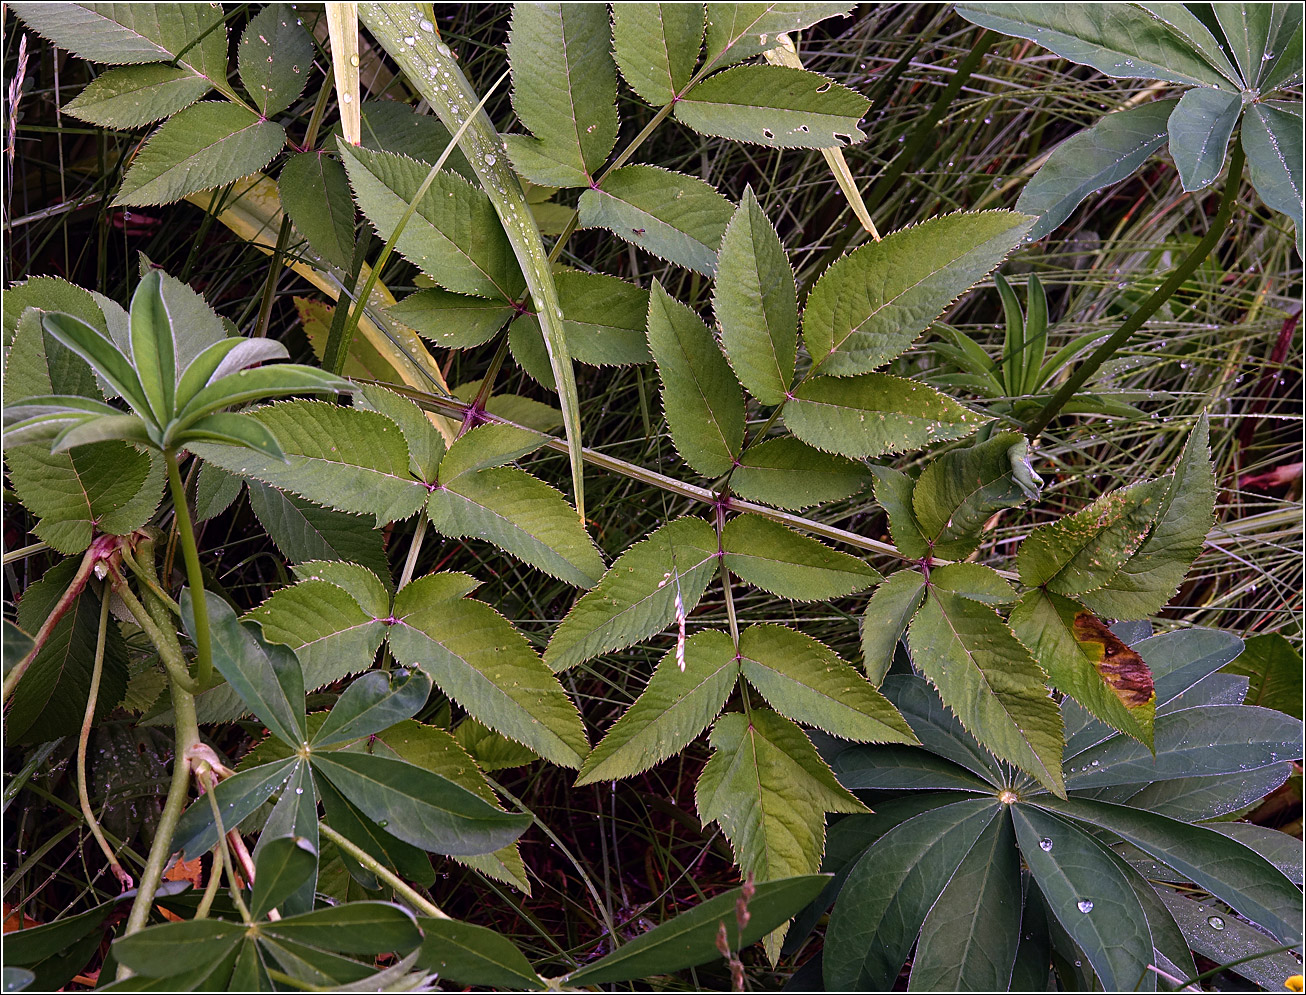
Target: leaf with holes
[275, 58]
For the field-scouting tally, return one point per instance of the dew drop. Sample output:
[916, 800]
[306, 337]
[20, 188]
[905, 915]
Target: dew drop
[353, 60]
[1045, 844]
[1085, 906]
[1215, 922]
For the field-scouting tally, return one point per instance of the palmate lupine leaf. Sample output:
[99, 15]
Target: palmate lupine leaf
[657, 45]
[1200, 127]
[1272, 139]
[467, 954]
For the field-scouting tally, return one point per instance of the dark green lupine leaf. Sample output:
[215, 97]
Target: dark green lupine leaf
[131, 96]
[656, 46]
[452, 321]
[238, 797]
[275, 58]
[1247, 27]
[372, 704]
[776, 106]
[791, 474]
[1212, 932]
[690, 938]
[937, 726]
[564, 91]
[103, 355]
[172, 948]
[868, 307]
[738, 31]
[282, 865]
[703, 404]
[679, 702]
[1279, 848]
[344, 817]
[676, 217]
[1272, 139]
[888, 613]
[314, 191]
[890, 890]
[640, 594]
[362, 928]
[897, 768]
[1200, 126]
[756, 303]
[1090, 896]
[1285, 69]
[467, 954]
[1094, 158]
[295, 815]
[1198, 34]
[776, 559]
[201, 147]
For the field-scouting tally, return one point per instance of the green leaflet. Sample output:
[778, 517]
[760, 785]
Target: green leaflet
[485, 447]
[791, 474]
[960, 491]
[452, 321]
[676, 217]
[564, 91]
[604, 319]
[1235, 941]
[776, 106]
[875, 414]
[483, 663]
[314, 191]
[131, 96]
[701, 398]
[1094, 158]
[201, 147]
[989, 679]
[1274, 667]
[806, 681]
[888, 613]
[454, 236]
[49, 293]
[426, 446]
[1247, 29]
[467, 954]
[756, 304]
[893, 492]
[738, 31]
[1200, 127]
[1272, 139]
[776, 559]
[677, 705]
[1085, 660]
[273, 58]
[304, 531]
[215, 491]
[491, 750]
[869, 306]
[637, 597]
[656, 45]
[1151, 574]
[769, 790]
[345, 458]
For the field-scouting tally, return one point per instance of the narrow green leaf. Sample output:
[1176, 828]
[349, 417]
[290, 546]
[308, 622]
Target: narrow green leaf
[1090, 896]
[676, 217]
[103, 356]
[238, 797]
[467, 954]
[656, 45]
[281, 867]
[452, 321]
[738, 31]
[679, 702]
[475, 655]
[232, 429]
[756, 303]
[204, 146]
[413, 863]
[872, 304]
[1200, 127]
[1272, 139]
[776, 106]
[938, 727]
[491, 750]
[1093, 159]
[702, 400]
[888, 613]
[897, 768]
[1247, 27]
[989, 679]
[1223, 938]
[171, 948]
[1274, 666]
[1286, 67]
[770, 556]
[791, 474]
[135, 95]
[1279, 848]
[372, 704]
[294, 815]
[274, 58]
[314, 191]
[638, 596]
[806, 681]
[874, 414]
[1188, 26]
[304, 532]
[362, 928]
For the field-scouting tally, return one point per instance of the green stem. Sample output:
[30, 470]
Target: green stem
[174, 661]
[423, 905]
[1153, 303]
[414, 547]
[194, 575]
[270, 284]
[211, 889]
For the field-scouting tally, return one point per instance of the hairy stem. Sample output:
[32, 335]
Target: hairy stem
[194, 575]
[423, 905]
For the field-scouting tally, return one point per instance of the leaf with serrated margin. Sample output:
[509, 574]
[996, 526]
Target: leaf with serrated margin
[636, 598]
[957, 494]
[426, 446]
[371, 591]
[475, 655]
[769, 790]
[314, 191]
[520, 514]
[988, 678]
[756, 303]
[452, 321]
[454, 236]
[1118, 40]
[491, 750]
[791, 474]
[215, 491]
[888, 613]
[304, 531]
[604, 318]
[893, 493]
[890, 890]
[656, 46]
[1089, 895]
[777, 559]
[938, 728]
[675, 706]
[974, 581]
[676, 217]
[488, 446]
[345, 458]
[1093, 159]
[1272, 139]
[274, 58]
[564, 91]
[777, 106]
[806, 681]
[868, 307]
[201, 147]
[700, 396]
[1085, 660]
[1151, 574]
[131, 96]
[1200, 127]
[738, 31]
[875, 414]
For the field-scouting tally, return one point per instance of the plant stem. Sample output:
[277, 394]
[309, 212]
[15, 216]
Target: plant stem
[211, 889]
[60, 609]
[1153, 303]
[167, 645]
[194, 575]
[270, 284]
[414, 547]
[423, 905]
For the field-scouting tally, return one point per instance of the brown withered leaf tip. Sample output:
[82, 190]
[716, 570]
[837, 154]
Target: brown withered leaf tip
[1121, 667]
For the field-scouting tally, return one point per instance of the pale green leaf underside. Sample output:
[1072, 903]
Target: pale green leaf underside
[1200, 127]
